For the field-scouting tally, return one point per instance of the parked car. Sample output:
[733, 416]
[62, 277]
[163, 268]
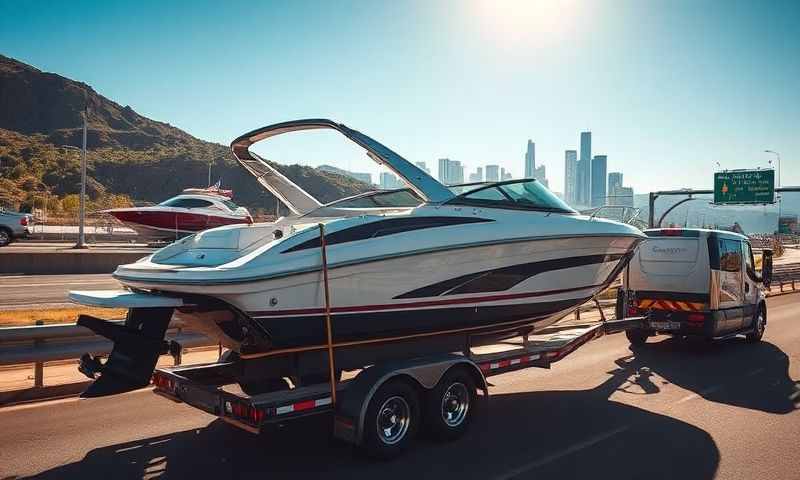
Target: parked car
[13, 225]
[696, 282]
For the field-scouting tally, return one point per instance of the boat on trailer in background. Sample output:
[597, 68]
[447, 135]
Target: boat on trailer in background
[194, 210]
[374, 279]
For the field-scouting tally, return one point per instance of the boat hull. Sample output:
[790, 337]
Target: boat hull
[171, 223]
[508, 286]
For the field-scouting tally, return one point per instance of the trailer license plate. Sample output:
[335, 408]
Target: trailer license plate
[665, 325]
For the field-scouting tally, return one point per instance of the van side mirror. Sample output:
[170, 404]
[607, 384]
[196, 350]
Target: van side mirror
[766, 268]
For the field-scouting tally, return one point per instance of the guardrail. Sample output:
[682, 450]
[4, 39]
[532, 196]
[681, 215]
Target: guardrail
[45, 343]
[787, 274]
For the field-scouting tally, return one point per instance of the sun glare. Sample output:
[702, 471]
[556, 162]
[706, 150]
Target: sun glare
[531, 22]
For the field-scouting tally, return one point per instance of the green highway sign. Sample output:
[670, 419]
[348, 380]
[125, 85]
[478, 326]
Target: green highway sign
[744, 186]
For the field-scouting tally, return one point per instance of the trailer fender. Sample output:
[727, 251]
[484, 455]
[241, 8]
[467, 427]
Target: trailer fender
[425, 373]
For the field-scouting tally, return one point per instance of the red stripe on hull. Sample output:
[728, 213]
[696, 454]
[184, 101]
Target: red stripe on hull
[184, 221]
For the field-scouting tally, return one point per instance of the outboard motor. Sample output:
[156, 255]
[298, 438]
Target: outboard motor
[137, 345]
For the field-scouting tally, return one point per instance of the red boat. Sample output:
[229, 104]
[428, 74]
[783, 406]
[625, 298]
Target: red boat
[195, 210]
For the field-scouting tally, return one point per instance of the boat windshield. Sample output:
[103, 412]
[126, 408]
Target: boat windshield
[403, 198]
[230, 204]
[183, 202]
[526, 194]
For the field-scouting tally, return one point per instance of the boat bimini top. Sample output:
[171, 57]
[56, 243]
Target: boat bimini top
[301, 202]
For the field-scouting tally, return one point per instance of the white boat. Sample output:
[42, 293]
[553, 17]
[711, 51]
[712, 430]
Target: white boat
[410, 271]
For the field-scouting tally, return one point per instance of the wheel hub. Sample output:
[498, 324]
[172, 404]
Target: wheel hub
[455, 404]
[393, 420]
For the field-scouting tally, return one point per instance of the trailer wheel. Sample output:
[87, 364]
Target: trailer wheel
[450, 405]
[758, 327]
[392, 420]
[637, 336]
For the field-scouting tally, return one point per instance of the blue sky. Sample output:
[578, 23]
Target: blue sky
[668, 88]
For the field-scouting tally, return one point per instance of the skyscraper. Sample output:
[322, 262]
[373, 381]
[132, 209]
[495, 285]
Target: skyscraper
[477, 176]
[530, 160]
[570, 179]
[505, 175]
[444, 170]
[424, 167]
[614, 181]
[492, 173]
[540, 174]
[455, 172]
[598, 176]
[585, 170]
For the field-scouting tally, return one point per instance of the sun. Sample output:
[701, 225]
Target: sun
[532, 22]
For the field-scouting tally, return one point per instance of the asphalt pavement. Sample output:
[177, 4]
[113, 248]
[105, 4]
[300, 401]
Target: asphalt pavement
[17, 291]
[673, 409]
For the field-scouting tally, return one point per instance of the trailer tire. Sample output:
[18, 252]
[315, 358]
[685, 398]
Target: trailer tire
[450, 405]
[759, 324]
[637, 337]
[392, 420]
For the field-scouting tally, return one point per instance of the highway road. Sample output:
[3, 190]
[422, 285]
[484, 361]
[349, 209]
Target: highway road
[672, 410]
[21, 290]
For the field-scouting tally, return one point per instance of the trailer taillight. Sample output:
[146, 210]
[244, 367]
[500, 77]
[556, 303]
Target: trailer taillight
[696, 318]
[249, 413]
[165, 383]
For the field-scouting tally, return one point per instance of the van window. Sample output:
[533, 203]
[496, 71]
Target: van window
[730, 255]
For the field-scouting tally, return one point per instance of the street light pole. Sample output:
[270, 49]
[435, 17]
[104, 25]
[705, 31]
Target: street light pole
[82, 222]
[778, 155]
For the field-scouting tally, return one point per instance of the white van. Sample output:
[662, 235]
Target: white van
[695, 282]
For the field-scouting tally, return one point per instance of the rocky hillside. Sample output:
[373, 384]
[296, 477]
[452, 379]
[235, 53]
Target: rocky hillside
[129, 154]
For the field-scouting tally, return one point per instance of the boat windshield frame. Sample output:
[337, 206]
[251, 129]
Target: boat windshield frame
[508, 204]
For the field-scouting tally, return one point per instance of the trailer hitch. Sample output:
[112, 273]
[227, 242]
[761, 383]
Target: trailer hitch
[137, 345]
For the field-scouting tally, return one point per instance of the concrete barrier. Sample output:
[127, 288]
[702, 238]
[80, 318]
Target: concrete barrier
[66, 261]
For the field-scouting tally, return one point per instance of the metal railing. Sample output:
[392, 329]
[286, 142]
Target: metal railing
[38, 344]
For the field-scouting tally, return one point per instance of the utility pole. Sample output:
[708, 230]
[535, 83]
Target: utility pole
[82, 222]
[209, 174]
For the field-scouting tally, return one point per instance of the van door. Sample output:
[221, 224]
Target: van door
[750, 286]
[731, 284]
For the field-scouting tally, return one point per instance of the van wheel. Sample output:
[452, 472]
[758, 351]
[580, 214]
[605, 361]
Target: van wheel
[392, 420]
[450, 405]
[637, 336]
[758, 327]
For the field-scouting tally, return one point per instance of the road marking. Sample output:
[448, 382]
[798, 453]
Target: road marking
[556, 456]
[701, 393]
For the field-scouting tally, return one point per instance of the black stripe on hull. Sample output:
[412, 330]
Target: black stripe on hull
[303, 331]
[380, 228]
[501, 279]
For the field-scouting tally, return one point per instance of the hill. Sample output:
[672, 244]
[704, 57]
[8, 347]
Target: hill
[129, 156]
